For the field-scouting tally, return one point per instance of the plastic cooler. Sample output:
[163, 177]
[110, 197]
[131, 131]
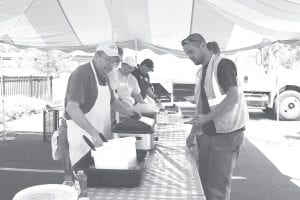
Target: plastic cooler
[113, 177]
[117, 177]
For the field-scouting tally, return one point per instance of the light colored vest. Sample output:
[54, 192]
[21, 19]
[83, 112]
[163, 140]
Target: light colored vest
[232, 120]
[197, 89]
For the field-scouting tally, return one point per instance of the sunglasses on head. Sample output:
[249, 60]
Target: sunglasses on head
[187, 41]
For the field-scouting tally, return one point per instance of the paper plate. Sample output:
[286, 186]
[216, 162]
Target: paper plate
[47, 192]
[145, 108]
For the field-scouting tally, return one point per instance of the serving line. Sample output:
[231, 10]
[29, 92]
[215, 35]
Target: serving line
[171, 171]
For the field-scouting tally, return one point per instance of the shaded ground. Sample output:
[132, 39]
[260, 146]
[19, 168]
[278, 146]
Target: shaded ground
[20, 164]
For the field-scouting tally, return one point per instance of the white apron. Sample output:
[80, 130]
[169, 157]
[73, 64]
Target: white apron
[98, 116]
[124, 93]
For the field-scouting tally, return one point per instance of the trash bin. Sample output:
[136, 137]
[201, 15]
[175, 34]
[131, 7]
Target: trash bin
[50, 123]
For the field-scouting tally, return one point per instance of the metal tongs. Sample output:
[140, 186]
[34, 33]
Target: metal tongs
[90, 143]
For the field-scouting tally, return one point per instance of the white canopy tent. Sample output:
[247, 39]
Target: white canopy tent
[158, 25]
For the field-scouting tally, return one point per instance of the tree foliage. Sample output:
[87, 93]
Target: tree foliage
[54, 62]
[287, 56]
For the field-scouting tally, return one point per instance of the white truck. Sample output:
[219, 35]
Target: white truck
[261, 88]
[263, 82]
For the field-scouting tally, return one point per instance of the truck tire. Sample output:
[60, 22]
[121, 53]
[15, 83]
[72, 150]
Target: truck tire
[289, 105]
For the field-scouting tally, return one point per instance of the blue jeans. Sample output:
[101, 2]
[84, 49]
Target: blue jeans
[217, 159]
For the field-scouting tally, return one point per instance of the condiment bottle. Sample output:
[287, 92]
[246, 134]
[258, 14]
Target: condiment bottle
[81, 183]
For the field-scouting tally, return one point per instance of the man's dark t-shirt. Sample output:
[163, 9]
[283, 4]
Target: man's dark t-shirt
[82, 88]
[143, 80]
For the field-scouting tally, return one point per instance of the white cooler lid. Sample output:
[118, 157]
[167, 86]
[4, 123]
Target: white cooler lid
[148, 121]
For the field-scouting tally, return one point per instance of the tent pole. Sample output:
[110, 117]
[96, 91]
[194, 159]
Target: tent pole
[3, 136]
[135, 50]
[109, 5]
[192, 16]
[277, 93]
[276, 82]
[277, 86]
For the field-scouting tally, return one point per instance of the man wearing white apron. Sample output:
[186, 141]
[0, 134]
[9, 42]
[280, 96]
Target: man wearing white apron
[89, 100]
[125, 84]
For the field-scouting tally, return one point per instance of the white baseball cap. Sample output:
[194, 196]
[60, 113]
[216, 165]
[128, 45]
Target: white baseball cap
[109, 48]
[129, 61]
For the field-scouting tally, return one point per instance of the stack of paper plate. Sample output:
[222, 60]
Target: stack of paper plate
[145, 108]
[47, 192]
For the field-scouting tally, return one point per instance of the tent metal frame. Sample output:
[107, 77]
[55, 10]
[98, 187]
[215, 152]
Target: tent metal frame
[3, 136]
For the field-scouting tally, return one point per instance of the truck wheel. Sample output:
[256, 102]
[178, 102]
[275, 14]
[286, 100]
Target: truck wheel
[289, 105]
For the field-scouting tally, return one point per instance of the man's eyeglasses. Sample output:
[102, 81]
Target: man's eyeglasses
[111, 60]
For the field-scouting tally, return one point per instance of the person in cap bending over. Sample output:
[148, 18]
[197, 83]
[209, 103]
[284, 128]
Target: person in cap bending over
[220, 118]
[88, 102]
[125, 84]
[112, 76]
[142, 76]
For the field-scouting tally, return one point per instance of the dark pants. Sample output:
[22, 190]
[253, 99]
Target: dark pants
[217, 159]
[63, 147]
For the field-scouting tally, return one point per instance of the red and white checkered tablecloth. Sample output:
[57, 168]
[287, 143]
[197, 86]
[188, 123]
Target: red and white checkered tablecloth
[171, 171]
